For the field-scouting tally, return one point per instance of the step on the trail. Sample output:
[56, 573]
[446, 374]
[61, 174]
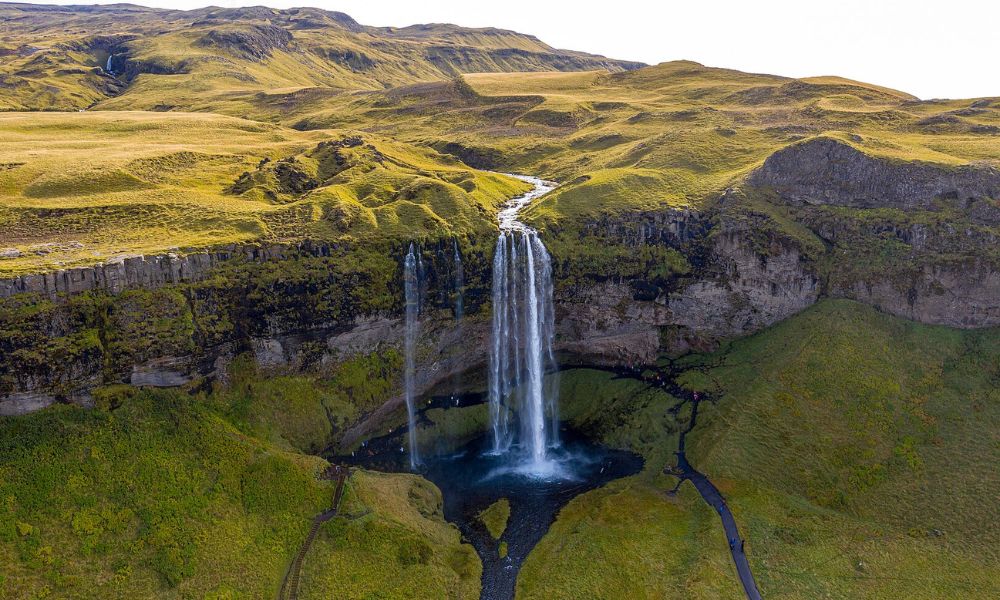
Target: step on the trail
[290, 586]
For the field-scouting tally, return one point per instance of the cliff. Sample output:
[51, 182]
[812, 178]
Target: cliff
[629, 287]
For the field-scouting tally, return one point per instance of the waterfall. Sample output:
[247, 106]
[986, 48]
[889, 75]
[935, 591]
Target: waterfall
[523, 328]
[108, 66]
[412, 274]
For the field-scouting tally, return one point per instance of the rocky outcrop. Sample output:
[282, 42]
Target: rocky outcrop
[827, 171]
[603, 323]
[745, 291]
[255, 43]
[147, 272]
[964, 295]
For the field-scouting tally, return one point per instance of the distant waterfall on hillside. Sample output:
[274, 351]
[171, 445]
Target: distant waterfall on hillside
[459, 305]
[523, 330]
[412, 274]
[107, 67]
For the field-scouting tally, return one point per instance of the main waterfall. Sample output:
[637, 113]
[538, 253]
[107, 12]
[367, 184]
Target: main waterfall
[523, 329]
[413, 268]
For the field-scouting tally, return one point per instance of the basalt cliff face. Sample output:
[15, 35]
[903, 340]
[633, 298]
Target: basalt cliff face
[818, 218]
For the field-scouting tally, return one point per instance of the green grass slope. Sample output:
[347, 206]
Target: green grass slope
[856, 450]
[401, 548]
[159, 495]
[862, 452]
[158, 498]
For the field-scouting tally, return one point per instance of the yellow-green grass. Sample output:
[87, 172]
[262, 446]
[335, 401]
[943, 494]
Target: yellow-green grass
[158, 498]
[82, 188]
[495, 517]
[399, 546]
[226, 60]
[862, 450]
[674, 135]
[856, 450]
[700, 129]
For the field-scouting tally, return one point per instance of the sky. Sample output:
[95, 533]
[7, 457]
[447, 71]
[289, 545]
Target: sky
[929, 49]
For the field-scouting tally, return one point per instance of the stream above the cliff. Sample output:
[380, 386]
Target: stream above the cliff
[474, 477]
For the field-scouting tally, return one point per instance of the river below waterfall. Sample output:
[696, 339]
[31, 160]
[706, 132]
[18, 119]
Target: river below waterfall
[474, 477]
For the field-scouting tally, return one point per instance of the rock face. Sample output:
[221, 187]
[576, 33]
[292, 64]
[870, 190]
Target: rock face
[747, 291]
[117, 275]
[293, 308]
[733, 290]
[965, 296]
[942, 268]
[146, 272]
[830, 172]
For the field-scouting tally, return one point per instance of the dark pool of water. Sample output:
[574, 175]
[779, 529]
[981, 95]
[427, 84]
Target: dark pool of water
[472, 479]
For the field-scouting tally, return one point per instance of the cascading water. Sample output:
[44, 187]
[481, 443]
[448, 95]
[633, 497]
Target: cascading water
[412, 273]
[523, 328]
[107, 67]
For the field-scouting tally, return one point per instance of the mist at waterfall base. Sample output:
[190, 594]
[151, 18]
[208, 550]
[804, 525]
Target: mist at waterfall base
[473, 477]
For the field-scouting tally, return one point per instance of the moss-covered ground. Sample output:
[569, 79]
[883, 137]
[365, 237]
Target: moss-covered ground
[399, 547]
[856, 450]
[159, 495]
[495, 517]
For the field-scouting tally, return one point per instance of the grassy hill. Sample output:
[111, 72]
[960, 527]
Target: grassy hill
[673, 135]
[86, 188]
[238, 61]
[856, 450]
[160, 495]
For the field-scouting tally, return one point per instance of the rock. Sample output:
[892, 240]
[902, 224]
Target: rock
[9, 253]
[269, 353]
[826, 171]
[22, 403]
[749, 292]
[163, 372]
[962, 295]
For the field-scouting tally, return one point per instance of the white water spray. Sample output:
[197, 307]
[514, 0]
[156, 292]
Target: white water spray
[523, 329]
[412, 272]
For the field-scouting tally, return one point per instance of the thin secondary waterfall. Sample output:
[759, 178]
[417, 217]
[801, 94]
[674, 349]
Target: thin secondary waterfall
[412, 272]
[523, 328]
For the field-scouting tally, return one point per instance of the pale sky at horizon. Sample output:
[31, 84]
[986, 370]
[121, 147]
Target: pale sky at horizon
[931, 50]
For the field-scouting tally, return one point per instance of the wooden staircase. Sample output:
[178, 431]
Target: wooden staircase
[290, 585]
